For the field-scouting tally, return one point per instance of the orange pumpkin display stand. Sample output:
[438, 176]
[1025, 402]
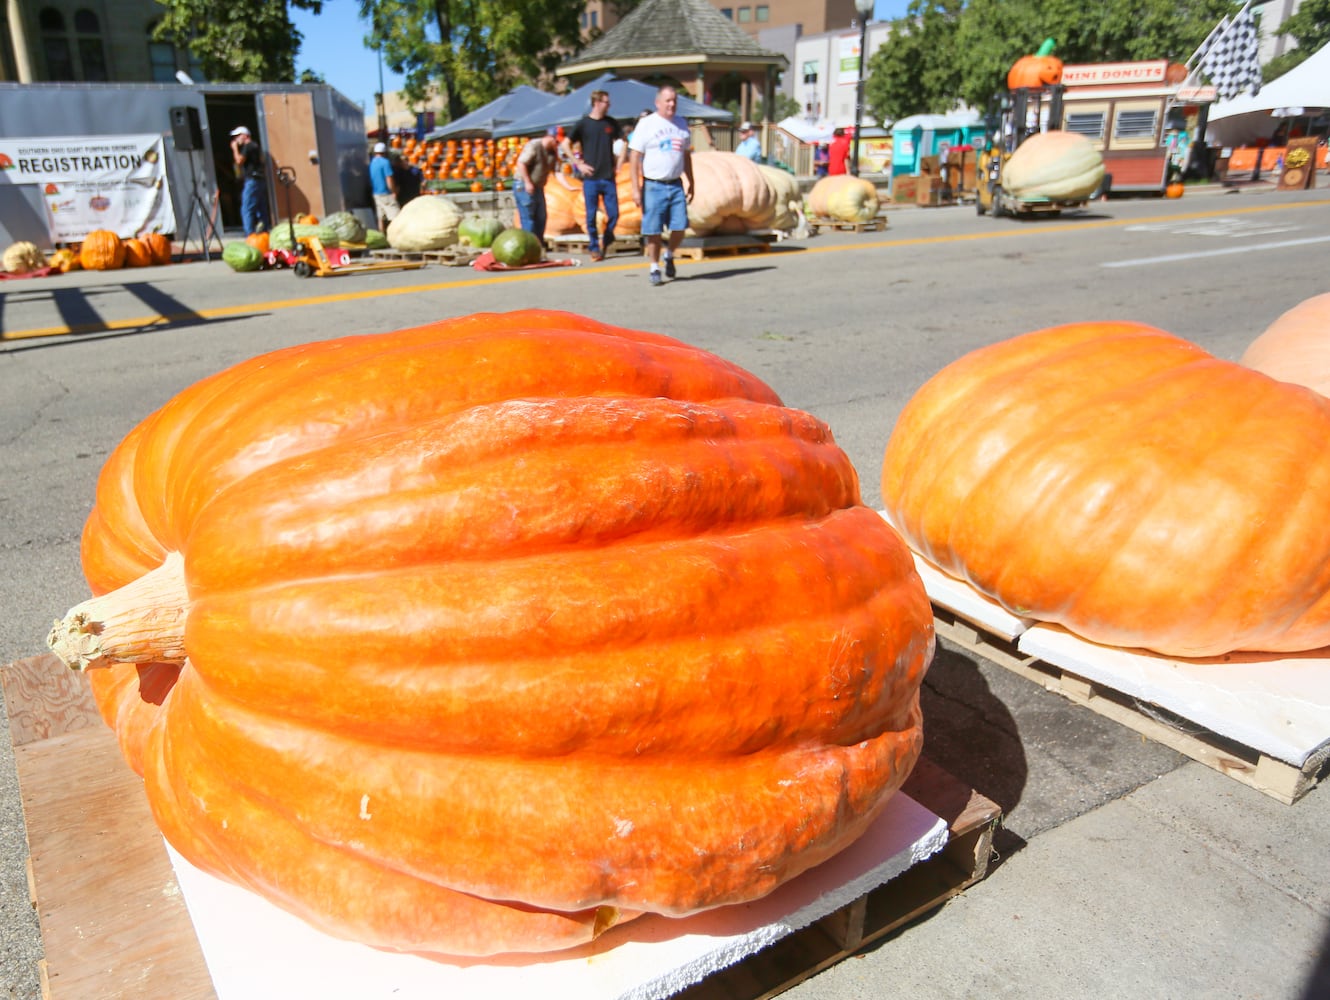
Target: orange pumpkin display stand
[77, 790]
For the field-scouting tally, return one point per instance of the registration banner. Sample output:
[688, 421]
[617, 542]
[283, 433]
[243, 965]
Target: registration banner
[115, 182]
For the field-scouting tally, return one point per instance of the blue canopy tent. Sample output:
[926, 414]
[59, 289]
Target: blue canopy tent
[481, 123]
[628, 98]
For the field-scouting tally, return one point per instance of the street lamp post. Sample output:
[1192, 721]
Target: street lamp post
[865, 9]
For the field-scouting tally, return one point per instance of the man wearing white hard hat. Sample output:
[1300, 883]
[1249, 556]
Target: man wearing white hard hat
[384, 187]
[253, 178]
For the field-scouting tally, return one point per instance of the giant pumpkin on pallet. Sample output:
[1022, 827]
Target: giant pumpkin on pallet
[1296, 346]
[843, 197]
[482, 636]
[1124, 483]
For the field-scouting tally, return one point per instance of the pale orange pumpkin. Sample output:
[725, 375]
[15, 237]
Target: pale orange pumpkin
[1296, 346]
[1125, 484]
[732, 195]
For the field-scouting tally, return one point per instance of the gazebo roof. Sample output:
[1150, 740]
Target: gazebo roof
[670, 32]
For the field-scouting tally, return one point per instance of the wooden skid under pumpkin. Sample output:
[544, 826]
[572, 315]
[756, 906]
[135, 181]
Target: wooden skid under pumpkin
[120, 927]
[454, 256]
[704, 247]
[391, 254]
[874, 225]
[579, 242]
[1261, 719]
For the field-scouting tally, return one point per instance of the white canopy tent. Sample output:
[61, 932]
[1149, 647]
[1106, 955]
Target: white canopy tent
[1303, 89]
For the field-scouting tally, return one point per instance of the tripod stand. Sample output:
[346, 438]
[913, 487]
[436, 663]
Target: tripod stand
[207, 228]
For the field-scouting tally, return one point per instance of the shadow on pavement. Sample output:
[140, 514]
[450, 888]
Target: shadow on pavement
[969, 731]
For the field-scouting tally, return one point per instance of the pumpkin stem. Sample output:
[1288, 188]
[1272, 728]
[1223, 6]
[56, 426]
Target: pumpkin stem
[142, 622]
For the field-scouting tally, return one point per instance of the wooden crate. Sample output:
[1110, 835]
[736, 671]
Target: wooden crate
[114, 923]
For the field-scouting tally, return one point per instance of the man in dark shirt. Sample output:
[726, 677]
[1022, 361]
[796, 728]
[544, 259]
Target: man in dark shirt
[253, 175]
[591, 147]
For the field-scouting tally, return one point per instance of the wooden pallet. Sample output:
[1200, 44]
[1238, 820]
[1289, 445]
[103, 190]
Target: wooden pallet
[972, 819]
[622, 246]
[874, 225]
[114, 923]
[112, 919]
[706, 247]
[1059, 662]
[454, 256]
[391, 254]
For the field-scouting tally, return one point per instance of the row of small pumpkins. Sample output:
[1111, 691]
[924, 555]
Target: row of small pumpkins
[101, 250]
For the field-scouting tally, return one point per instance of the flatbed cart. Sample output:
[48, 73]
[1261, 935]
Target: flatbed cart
[322, 262]
[313, 259]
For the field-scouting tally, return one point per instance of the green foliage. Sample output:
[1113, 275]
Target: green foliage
[1310, 28]
[471, 51]
[1309, 25]
[236, 41]
[949, 52]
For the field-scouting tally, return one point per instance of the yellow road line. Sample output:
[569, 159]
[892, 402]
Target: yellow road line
[160, 320]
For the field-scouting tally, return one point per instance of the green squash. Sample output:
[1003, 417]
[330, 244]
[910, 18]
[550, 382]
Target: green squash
[375, 240]
[517, 248]
[479, 230]
[241, 256]
[347, 227]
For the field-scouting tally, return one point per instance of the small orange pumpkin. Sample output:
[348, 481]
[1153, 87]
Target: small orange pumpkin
[137, 253]
[307, 219]
[259, 241]
[102, 250]
[1043, 69]
[477, 186]
[159, 247]
[1174, 190]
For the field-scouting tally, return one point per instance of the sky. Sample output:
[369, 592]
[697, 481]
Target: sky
[333, 46]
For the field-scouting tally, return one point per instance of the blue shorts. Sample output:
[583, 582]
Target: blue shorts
[663, 207]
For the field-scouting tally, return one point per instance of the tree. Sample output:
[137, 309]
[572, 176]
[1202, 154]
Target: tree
[1310, 28]
[471, 51]
[912, 73]
[946, 52]
[238, 41]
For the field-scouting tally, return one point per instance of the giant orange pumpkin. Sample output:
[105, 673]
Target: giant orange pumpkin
[1296, 346]
[1125, 484]
[484, 635]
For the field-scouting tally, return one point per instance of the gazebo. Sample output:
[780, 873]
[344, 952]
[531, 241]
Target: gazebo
[687, 43]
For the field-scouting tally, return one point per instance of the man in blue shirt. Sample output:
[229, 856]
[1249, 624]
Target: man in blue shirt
[384, 187]
[749, 144]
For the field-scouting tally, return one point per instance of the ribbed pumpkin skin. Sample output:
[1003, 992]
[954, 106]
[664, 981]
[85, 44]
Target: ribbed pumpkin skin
[514, 607]
[732, 195]
[1123, 483]
[845, 197]
[1296, 346]
[102, 250]
[1057, 165]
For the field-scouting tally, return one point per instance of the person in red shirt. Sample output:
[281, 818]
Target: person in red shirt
[839, 152]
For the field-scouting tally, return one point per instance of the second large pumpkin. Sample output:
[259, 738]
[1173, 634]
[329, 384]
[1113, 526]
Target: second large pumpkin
[1124, 483]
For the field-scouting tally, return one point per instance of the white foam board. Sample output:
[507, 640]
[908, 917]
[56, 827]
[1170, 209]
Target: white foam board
[963, 600]
[1278, 705]
[256, 951]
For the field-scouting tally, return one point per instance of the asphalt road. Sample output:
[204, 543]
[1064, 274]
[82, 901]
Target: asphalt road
[845, 326]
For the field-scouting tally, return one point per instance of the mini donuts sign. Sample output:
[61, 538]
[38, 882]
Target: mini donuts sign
[100, 182]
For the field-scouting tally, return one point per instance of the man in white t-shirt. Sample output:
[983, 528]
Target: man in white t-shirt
[660, 153]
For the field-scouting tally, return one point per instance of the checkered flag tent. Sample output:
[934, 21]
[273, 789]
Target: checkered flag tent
[1230, 57]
